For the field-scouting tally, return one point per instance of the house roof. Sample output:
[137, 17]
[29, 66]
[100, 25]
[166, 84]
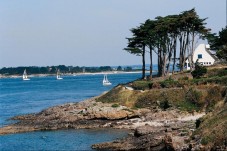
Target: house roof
[212, 54]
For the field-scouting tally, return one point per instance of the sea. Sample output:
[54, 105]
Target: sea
[18, 97]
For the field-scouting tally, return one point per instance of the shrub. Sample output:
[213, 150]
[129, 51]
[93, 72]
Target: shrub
[164, 104]
[142, 85]
[187, 106]
[184, 78]
[197, 123]
[199, 71]
[193, 96]
[169, 84]
[205, 140]
[217, 72]
[164, 101]
[214, 95]
[156, 85]
[115, 105]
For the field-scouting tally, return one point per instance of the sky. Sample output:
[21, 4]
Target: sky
[85, 32]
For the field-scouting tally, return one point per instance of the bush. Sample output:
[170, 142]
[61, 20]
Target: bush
[199, 71]
[164, 101]
[215, 94]
[142, 85]
[197, 123]
[164, 104]
[193, 96]
[156, 85]
[169, 84]
[184, 78]
[205, 140]
[187, 106]
[217, 72]
[115, 105]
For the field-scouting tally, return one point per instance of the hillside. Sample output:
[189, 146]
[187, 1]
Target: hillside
[180, 92]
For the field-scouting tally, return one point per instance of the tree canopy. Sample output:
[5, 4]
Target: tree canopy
[219, 43]
[161, 37]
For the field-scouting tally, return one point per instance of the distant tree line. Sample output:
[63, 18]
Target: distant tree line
[163, 36]
[63, 69]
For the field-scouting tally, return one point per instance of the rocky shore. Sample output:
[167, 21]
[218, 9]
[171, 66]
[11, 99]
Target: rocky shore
[152, 129]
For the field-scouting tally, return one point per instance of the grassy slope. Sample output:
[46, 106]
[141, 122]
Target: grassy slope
[183, 93]
[213, 128]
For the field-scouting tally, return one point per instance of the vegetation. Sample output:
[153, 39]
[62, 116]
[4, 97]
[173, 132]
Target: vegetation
[115, 105]
[216, 73]
[62, 68]
[208, 93]
[190, 99]
[213, 76]
[219, 43]
[182, 93]
[199, 70]
[161, 37]
[212, 127]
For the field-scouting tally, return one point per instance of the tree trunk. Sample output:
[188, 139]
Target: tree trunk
[192, 52]
[174, 54]
[151, 64]
[143, 62]
[159, 62]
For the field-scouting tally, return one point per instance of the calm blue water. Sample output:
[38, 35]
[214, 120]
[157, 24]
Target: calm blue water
[21, 97]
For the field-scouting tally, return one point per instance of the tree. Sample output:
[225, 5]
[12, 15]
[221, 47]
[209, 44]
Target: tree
[150, 39]
[190, 26]
[119, 68]
[162, 36]
[136, 46]
[219, 43]
[128, 69]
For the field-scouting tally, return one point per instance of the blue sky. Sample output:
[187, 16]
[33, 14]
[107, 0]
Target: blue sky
[85, 32]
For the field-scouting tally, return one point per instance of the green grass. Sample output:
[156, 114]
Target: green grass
[187, 106]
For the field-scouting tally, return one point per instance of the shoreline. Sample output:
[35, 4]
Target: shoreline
[146, 126]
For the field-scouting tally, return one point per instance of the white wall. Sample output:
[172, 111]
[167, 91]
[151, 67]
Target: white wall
[206, 59]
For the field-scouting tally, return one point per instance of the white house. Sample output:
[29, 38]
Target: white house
[204, 56]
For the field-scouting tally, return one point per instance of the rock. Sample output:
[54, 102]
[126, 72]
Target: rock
[146, 142]
[168, 130]
[144, 130]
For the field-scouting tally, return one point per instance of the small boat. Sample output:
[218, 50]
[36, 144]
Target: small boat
[25, 76]
[58, 75]
[105, 81]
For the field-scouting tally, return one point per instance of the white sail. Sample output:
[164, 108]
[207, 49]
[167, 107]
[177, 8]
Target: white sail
[25, 76]
[58, 75]
[106, 81]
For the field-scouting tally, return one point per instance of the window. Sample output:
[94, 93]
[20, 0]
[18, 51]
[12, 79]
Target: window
[200, 56]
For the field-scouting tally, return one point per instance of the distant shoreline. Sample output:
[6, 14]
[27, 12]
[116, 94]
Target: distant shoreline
[74, 74]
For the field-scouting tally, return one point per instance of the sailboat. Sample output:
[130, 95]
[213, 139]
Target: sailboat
[58, 75]
[106, 81]
[25, 76]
